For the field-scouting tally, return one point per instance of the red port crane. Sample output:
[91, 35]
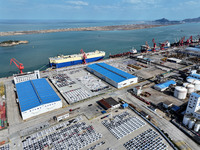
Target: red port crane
[84, 56]
[181, 41]
[154, 45]
[18, 64]
[191, 41]
[163, 45]
[187, 42]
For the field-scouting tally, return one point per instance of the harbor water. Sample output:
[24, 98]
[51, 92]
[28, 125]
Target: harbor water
[35, 54]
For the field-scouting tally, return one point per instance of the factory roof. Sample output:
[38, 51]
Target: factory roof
[111, 72]
[104, 104]
[34, 93]
[165, 84]
[174, 59]
[111, 101]
[195, 95]
[189, 77]
[167, 103]
[175, 108]
[195, 75]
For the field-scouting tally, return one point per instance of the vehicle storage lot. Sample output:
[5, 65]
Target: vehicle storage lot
[81, 133]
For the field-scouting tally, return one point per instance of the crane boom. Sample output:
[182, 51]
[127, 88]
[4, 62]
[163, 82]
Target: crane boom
[84, 56]
[18, 64]
[154, 45]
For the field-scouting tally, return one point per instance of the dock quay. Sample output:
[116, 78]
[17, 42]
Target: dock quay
[96, 111]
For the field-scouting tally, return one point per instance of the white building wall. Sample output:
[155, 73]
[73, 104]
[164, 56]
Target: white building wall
[116, 106]
[27, 76]
[112, 82]
[193, 106]
[41, 109]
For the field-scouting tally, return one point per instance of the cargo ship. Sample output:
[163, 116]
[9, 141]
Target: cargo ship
[69, 60]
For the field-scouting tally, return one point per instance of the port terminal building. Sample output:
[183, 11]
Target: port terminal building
[112, 75]
[36, 97]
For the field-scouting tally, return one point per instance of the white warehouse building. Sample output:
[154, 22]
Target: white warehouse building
[36, 97]
[112, 75]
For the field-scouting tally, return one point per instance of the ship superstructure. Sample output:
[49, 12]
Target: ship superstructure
[69, 60]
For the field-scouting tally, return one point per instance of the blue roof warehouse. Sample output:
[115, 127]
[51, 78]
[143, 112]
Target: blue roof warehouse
[165, 85]
[112, 75]
[36, 97]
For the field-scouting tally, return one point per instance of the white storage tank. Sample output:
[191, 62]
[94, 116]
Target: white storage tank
[197, 126]
[186, 120]
[197, 85]
[190, 80]
[189, 86]
[195, 82]
[180, 92]
[191, 123]
[193, 71]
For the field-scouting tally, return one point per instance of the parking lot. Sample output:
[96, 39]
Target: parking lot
[5, 147]
[70, 135]
[81, 133]
[148, 140]
[123, 124]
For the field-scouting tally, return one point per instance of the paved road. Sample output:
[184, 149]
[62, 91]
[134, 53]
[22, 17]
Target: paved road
[164, 124]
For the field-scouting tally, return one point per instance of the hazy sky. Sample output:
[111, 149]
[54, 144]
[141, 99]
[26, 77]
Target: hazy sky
[99, 9]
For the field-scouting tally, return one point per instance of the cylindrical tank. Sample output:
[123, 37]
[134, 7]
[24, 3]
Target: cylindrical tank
[189, 86]
[191, 123]
[193, 71]
[180, 92]
[195, 82]
[197, 126]
[186, 120]
[190, 80]
[197, 85]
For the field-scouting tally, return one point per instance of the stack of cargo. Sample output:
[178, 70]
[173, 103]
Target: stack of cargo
[2, 116]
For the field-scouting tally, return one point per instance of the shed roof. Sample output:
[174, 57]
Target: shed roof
[104, 104]
[195, 75]
[34, 93]
[166, 84]
[189, 77]
[111, 72]
[111, 101]
[195, 95]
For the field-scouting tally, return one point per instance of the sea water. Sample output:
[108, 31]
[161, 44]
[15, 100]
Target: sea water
[35, 54]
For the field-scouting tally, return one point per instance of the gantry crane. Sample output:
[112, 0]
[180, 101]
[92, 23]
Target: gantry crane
[162, 45]
[154, 45]
[189, 41]
[84, 56]
[181, 41]
[18, 64]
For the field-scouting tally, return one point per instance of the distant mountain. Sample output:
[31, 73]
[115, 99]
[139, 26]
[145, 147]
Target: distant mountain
[166, 21]
[192, 20]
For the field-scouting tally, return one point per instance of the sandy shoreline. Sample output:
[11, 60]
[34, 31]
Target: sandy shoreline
[103, 28]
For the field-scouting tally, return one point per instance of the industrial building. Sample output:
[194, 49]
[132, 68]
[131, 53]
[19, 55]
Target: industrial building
[193, 106]
[112, 75]
[26, 76]
[174, 60]
[109, 103]
[192, 115]
[165, 85]
[167, 104]
[36, 97]
[196, 76]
